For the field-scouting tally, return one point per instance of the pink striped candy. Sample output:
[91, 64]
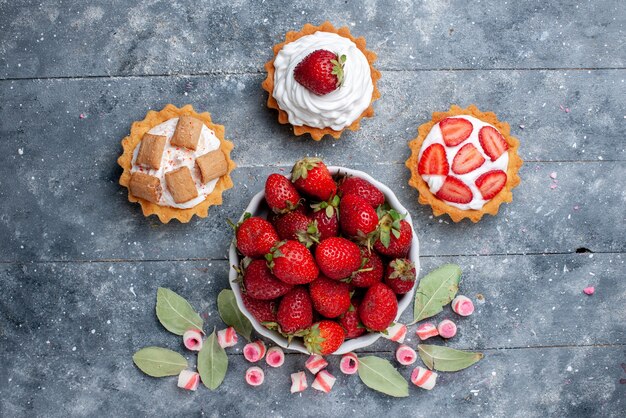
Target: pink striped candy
[254, 351]
[188, 380]
[349, 363]
[405, 355]
[315, 363]
[423, 378]
[298, 382]
[462, 305]
[446, 329]
[426, 330]
[324, 381]
[255, 376]
[227, 337]
[193, 339]
[396, 332]
[275, 357]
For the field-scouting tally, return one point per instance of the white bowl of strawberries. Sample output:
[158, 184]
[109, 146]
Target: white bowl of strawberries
[324, 260]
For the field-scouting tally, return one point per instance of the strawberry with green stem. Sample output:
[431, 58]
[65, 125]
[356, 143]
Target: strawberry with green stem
[280, 194]
[400, 275]
[324, 337]
[311, 177]
[394, 234]
[326, 214]
[295, 314]
[321, 72]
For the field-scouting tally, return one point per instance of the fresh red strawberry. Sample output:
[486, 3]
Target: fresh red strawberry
[358, 218]
[434, 161]
[350, 321]
[321, 71]
[327, 227]
[311, 177]
[295, 312]
[454, 190]
[292, 262]
[262, 310]
[254, 236]
[338, 258]
[371, 271]
[280, 194]
[259, 282]
[362, 188]
[378, 308]
[455, 130]
[491, 183]
[296, 225]
[492, 141]
[400, 275]
[330, 297]
[394, 235]
[324, 337]
[467, 159]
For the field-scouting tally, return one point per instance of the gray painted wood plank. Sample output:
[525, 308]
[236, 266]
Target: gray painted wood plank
[74, 38]
[69, 330]
[570, 382]
[557, 115]
[526, 301]
[60, 214]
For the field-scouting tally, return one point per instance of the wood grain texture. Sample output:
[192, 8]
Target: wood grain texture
[109, 38]
[80, 265]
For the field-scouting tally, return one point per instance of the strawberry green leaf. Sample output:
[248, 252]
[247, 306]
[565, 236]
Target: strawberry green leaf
[159, 362]
[175, 313]
[436, 290]
[446, 359]
[231, 315]
[378, 374]
[212, 363]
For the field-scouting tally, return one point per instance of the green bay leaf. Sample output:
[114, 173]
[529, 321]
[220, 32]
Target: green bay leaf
[378, 374]
[447, 359]
[212, 363]
[175, 313]
[435, 291]
[231, 315]
[159, 362]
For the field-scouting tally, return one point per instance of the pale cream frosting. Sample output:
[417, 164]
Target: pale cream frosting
[436, 181]
[335, 110]
[176, 157]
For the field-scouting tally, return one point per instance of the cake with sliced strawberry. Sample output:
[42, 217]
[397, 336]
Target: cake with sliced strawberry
[464, 163]
[322, 81]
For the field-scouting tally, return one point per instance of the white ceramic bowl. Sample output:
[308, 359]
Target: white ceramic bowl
[257, 207]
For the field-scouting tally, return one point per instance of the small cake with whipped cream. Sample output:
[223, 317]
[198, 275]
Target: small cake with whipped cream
[322, 81]
[176, 163]
[464, 163]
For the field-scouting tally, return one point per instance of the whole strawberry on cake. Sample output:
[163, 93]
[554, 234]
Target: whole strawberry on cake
[329, 262]
[464, 162]
[322, 81]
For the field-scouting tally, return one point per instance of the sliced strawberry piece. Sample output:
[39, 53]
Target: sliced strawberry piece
[491, 183]
[455, 130]
[492, 141]
[467, 159]
[454, 190]
[434, 161]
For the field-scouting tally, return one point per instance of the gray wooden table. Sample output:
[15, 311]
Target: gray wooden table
[79, 265]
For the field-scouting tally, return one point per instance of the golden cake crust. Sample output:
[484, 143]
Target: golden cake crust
[308, 29]
[152, 119]
[440, 207]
